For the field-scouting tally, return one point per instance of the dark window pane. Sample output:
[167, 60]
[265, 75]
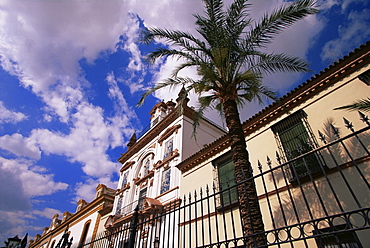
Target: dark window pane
[226, 177]
[365, 77]
[295, 141]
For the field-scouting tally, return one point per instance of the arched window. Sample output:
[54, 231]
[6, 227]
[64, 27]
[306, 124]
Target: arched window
[146, 164]
[52, 244]
[84, 233]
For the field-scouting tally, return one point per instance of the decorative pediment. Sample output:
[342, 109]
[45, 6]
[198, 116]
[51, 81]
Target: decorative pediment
[127, 165]
[139, 180]
[166, 160]
[168, 133]
[126, 186]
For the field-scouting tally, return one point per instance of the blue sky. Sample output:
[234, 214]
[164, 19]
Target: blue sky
[71, 73]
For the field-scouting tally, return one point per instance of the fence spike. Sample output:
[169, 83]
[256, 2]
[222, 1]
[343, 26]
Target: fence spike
[348, 124]
[269, 162]
[322, 137]
[335, 130]
[259, 165]
[364, 118]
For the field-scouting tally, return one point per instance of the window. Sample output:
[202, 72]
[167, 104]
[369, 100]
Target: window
[52, 244]
[365, 77]
[226, 179]
[295, 138]
[142, 196]
[146, 165]
[168, 148]
[338, 239]
[124, 179]
[166, 177]
[84, 234]
[119, 204]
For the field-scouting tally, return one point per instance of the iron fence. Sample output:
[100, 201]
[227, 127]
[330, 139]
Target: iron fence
[327, 206]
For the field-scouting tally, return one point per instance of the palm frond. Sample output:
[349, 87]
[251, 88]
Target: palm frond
[236, 20]
[361, 104]
[271, 63]
[280, 19]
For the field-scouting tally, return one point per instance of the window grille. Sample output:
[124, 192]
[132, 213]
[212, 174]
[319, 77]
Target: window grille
[294, 137]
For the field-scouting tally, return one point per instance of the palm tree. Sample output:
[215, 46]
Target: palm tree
[231, 59]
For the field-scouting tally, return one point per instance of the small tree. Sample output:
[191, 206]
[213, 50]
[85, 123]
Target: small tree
[231, 61]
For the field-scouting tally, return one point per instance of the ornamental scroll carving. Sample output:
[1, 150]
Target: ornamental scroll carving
[175, 153]
[144, 179]
[168, 133]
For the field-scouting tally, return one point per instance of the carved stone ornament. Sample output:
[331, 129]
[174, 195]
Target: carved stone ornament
[168, 133]
[167, 159]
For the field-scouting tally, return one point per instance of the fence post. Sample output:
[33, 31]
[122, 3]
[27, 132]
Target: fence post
[133, 225]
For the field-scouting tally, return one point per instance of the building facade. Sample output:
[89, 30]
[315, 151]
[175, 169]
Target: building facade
[149, 178]
[311, 167]
[79, 227]
[310, 163]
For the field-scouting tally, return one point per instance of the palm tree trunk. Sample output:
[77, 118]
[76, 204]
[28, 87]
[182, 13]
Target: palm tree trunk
[248, 200]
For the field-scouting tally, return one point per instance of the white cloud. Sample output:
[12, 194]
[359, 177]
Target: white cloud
[33, 183]
[89, 138]
[42, 41]
[86, 190]
[47, 213]
[20, 146]
[8, 116]
[354, 31]
[13, 222]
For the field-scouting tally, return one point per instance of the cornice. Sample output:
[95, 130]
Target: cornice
[155, 131]
[126, 186]
[126, 166]
[339, 70]
[95, 206]
[168, 133]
